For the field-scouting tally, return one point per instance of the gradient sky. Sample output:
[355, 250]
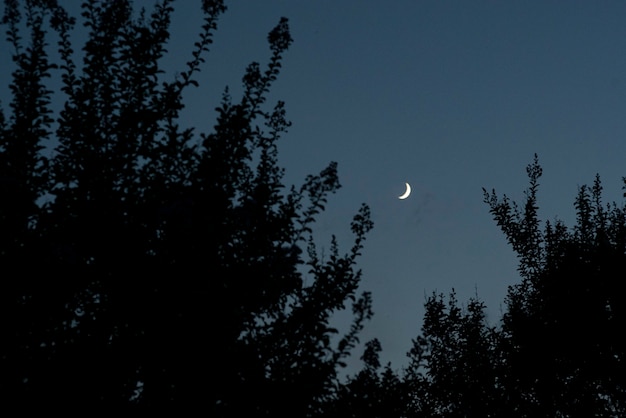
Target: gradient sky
[450, 96]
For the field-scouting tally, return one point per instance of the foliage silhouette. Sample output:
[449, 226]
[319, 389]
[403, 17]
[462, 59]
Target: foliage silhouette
[147, 265]
[142, 266]
[371, 392]
[561, 329]
[557, 350]
[460, 360]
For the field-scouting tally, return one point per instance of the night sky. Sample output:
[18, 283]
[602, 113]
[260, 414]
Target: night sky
[450, 96]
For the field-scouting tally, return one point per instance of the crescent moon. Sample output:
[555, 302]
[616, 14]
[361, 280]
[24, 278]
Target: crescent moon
[406, 193]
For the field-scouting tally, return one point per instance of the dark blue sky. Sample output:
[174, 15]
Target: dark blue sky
[449, 96]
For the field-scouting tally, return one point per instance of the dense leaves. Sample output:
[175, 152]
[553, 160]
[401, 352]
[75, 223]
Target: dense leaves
[143, 263]
[558, 349]
[562, 326]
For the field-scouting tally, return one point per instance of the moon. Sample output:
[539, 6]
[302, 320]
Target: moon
[406, 193]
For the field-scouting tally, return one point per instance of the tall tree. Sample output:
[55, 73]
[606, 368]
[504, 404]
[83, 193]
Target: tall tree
[562, 326]
[142, 266]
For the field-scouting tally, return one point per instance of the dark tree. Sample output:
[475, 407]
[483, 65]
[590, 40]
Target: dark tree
[371, 392]
[454, 363]
[562, 328]
[558, 350]
[454, 370]
[143, 263]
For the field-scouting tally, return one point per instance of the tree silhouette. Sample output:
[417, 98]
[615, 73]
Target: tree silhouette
[561, 329]
[150, 265]
[371, 392]
[557, 350]
[454, 363]
[144, 264]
